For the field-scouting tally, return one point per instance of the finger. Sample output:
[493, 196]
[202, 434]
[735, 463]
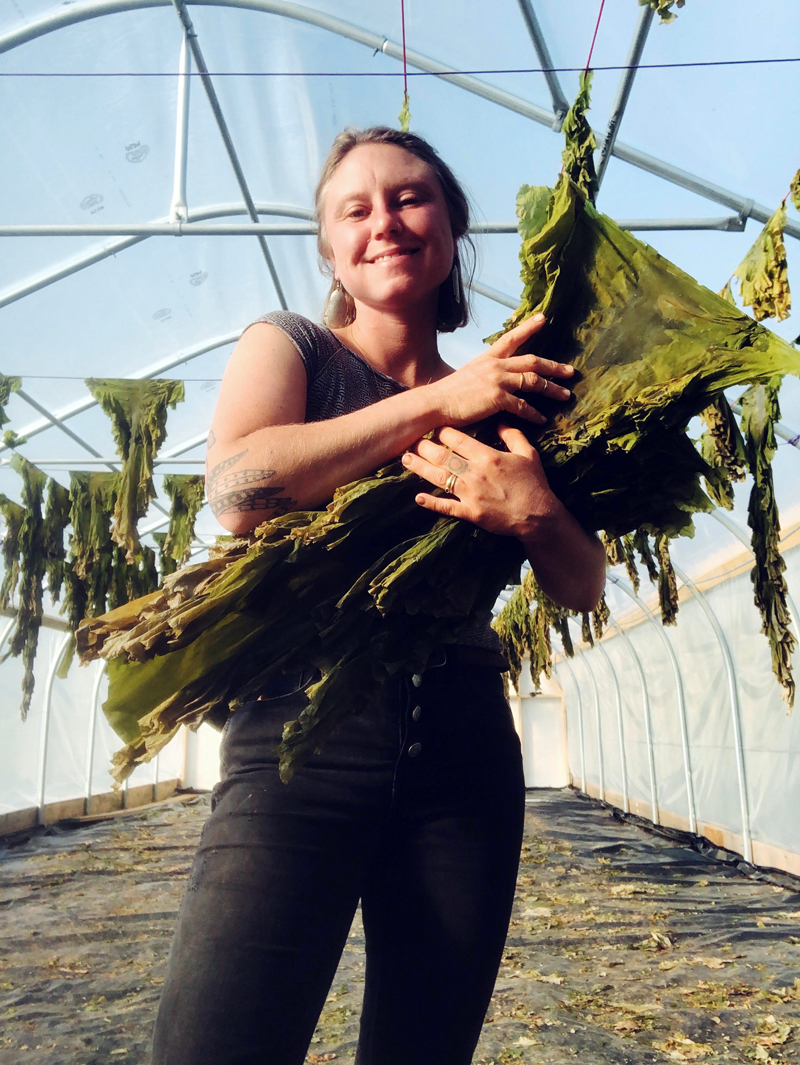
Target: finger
[515, 440]
[543, 367]
[441, 456]
[462, 444]
[542, 386]
[514, 405]
[448, 508]
[508, 343]
[436, 475]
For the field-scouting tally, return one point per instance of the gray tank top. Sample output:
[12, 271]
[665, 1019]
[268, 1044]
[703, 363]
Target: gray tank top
[339, 382]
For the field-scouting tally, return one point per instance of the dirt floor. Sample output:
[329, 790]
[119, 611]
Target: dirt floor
[625, 946]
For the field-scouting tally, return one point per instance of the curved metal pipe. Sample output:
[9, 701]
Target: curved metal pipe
[598, 727]
[620, 728]
[568, 664]
[45, 731]
[648, 725]
[736, 713]
[676, 669]
[91, 739]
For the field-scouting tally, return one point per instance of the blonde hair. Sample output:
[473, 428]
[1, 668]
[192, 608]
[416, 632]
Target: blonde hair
[453, 310]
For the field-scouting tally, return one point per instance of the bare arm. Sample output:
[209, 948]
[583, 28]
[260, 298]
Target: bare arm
[264, 460]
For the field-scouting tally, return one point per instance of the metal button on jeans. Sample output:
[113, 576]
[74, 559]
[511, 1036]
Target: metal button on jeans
[416, 713]
[414, 750]
[416, 679]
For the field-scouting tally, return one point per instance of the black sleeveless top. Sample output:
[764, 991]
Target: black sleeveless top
[339, 382]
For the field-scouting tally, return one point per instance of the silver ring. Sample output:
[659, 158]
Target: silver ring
[450, 483]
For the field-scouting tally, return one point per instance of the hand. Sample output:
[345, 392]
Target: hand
[488, 383]
[503, 492]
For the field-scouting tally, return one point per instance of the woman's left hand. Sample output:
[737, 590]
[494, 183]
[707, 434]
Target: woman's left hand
[503, 492]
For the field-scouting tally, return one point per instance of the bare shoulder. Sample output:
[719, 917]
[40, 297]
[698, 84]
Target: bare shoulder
[264, 384]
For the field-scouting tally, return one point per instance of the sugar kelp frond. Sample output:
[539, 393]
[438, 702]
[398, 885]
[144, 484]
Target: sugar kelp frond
[763, 272]
[138, 413]
[722, 447]
[523, 626]
[794, 190]
[187, 493]
[663, 8]
[8, 384]
[13, 516]
[578, 155]
[24, 638]
[56, 520]
[760, 411]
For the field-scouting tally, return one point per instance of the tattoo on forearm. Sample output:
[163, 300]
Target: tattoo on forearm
[249, 499]
[212, 438]
[218, 470]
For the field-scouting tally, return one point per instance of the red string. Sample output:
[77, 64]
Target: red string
[403, 28]
[594, 38]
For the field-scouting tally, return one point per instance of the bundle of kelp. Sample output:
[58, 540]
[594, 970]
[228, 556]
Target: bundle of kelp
[370, 585]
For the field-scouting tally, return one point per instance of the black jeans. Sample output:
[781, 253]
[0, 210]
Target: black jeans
[415, 807]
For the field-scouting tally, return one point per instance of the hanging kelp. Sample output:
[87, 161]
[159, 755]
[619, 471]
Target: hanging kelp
[91, 570]
[13, 516]
[722, 447]
[138, 413]
[24, 637]
[56, 520]
[794, 190]
[578, 155]
[166, 563]
[369, 586]
[763, 272]
[760, 411]
[8, 384]
[404, 118]
[663, 8]
[187, 494]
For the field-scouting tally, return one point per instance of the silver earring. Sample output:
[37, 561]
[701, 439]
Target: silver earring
[335, 314]
[456, 279]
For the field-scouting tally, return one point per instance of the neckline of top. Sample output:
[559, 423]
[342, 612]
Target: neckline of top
[378, 373]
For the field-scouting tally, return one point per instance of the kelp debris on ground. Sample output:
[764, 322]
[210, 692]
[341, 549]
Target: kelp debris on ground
[623, 948]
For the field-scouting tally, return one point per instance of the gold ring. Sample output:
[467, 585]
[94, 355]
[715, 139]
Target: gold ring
[546, 384]
[521, 381]
[450, 483]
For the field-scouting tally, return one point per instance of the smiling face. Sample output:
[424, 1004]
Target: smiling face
[387, 226]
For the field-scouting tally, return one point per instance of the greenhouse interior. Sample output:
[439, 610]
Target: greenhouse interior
[157, 198]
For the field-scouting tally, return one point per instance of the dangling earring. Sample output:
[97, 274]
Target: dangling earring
[335, 314]
[455, 274]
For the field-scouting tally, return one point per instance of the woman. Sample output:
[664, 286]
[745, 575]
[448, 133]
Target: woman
[415, 805]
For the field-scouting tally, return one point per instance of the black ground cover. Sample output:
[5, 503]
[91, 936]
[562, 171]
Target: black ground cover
[625, 946]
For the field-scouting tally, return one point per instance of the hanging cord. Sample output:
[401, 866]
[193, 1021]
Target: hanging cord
[594, 37]
[404, 118]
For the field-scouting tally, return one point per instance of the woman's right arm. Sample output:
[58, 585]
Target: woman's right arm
[264, 460]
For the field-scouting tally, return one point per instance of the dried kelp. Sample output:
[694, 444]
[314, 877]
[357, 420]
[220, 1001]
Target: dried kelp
[667, 585]
[187, 493]
[138, 413]
[369, 586]
[8, 384]
[760, 411]
[578, 154]
[794, 190]
[56, 520]
[663, 8]
[13, 516]
[24, 637]
[722, 447]
[763, 272]
[91, 573]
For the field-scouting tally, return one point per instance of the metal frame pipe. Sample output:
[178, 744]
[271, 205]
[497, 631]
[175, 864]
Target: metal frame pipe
[601, 765]
[227, 140]
[91, 737]
[620, 726]
[624, 91]
[676, 669]
[648, 725]
[178, 211]
[735, 707]
[560, 104]
[44, 734]
[581, 740]
[81, 12]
